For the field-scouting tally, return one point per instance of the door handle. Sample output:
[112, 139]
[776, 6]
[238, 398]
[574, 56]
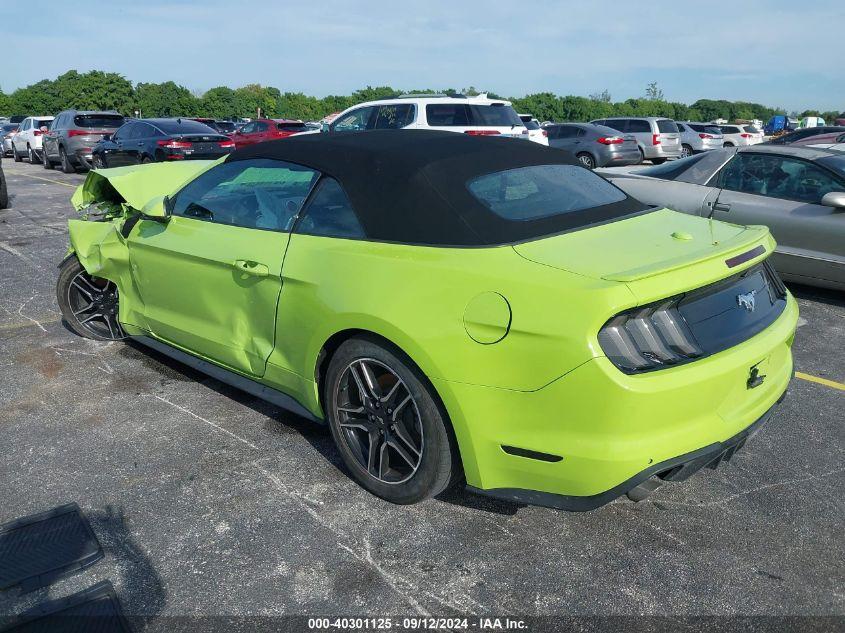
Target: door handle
[721, 206]
[248, 267]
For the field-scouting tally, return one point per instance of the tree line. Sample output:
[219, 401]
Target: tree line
[98, 90]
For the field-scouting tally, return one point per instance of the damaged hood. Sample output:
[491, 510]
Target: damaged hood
[137, 184]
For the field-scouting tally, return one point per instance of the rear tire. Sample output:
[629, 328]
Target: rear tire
[33, 155]
[728, 145]
[67, 166]
[15, 155]
[403, 453]
[686, 151]
[642, 156]
[4, 193]
[586, 160]
[89, 304]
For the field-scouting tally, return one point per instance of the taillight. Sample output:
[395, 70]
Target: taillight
[171, 144]
[648, 338]
[227, 144]
[610, 140]
[655, 139]
[482, 132]
[705, 136]
[745, 135]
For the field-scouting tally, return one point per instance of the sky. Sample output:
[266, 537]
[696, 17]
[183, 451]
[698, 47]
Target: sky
[766, 51]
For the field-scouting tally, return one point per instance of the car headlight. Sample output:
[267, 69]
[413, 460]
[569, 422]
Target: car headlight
[649, 337]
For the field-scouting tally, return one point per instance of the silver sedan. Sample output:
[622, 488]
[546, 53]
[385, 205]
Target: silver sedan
[798, 192]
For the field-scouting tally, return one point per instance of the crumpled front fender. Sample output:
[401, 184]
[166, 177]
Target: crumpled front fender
[137, 184]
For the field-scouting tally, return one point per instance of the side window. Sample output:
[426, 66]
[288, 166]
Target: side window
[258, 194]
[618, 124]
[25, 125]
[447, 114]
[778, 177]
[567, 131]
[353, 121]
[123, 132]
[261, 126]
[638, 126]
[249, 128]
[330, 213]
[394, 116]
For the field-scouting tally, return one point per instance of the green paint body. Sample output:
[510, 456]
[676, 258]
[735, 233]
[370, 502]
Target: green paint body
[507, 336]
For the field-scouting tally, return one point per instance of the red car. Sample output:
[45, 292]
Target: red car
[262, 130]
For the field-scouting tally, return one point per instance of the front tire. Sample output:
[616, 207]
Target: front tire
[586, 160]
[89, 304]
[387, 426]
[45, 160]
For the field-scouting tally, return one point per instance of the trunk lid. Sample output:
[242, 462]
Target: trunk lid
[657, 254]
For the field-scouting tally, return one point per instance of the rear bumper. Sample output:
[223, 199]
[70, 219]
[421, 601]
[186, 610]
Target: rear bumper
[594, 433]
[658, 151]
[674, 469]
[617, 159]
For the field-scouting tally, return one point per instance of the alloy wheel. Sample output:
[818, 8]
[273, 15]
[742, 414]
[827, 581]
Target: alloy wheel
[94, 303]
[379, 421]
[685, 151]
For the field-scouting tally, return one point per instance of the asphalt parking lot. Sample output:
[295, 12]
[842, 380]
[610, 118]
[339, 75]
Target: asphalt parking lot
[210, 502]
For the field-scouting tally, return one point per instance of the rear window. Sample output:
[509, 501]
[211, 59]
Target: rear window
[637, 126]
[292, 127]
[98, 120]
[696, 169]
[532, 125]
[708, 129]
[729, 129]
[36, 123]
[541, 191]
[183, 126]
[225, 126]
[464, 114]
[666, 126]
[751, 129]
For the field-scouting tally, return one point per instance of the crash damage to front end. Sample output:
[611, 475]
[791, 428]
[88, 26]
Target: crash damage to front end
[110, 202]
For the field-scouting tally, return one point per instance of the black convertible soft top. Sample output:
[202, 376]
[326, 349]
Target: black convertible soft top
[410, 186]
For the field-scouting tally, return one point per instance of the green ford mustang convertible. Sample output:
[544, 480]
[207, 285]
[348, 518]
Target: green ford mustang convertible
[453, 307]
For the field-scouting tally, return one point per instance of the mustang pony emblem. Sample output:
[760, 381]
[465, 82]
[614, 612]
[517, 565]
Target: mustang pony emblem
[746, 300]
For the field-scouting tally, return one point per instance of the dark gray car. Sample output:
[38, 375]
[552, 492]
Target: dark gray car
[798, 192]
[72, 136]
[594, 145]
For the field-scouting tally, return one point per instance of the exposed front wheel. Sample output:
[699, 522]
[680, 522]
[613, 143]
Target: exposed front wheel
[586, 160]
[388, 428]
[89, 304]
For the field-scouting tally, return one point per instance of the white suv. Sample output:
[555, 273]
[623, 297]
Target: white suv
[27, 142]
[470, 115]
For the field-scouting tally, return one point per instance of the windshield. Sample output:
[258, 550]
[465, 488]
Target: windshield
[541, 191]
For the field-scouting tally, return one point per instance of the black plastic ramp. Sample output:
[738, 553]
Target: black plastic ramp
[38, 549]
[95, 610]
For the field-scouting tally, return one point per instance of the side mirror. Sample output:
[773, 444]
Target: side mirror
[157, 209]
[835, 199]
